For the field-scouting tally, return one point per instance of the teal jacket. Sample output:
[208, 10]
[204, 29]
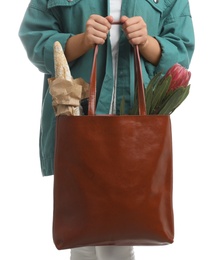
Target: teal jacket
[47, 21]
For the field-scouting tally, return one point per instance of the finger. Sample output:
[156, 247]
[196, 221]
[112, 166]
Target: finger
[123, 18]
[110, 19]
[98, 40]
[100, 20]
[138, 37]
[137, 41]
[96, 36]
[138, 21]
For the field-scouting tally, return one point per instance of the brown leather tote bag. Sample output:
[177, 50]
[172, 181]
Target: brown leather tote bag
[113, 177]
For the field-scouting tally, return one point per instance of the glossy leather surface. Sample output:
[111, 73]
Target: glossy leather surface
[113, 179]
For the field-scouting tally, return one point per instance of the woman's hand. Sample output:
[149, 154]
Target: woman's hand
[97, 28]
[136, 32]
[135, 29]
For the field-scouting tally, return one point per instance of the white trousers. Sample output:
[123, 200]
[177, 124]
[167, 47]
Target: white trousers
[103, 253]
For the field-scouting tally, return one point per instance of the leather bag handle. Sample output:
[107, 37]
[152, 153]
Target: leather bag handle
[138, 77]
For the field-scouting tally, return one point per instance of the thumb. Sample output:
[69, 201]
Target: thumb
[109, 18]
[123, 19]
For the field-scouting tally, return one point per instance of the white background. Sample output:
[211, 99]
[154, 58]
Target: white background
[26, 197]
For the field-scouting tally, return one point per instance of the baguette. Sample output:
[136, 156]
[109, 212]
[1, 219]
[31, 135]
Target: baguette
[60, 63]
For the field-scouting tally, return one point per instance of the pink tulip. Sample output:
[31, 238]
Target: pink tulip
[180, 76]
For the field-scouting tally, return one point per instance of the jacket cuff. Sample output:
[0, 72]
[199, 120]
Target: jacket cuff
[169, 55]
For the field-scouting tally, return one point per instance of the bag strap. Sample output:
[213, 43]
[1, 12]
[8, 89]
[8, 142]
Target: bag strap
[139, 82]
[138, 77]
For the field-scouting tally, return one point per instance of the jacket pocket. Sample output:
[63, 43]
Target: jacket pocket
[54, 3]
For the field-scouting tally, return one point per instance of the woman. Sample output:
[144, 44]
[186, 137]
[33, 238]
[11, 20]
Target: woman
[162, 29]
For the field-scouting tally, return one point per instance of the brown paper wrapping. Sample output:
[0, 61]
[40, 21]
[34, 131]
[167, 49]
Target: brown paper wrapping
[66, 92]
[66, 95]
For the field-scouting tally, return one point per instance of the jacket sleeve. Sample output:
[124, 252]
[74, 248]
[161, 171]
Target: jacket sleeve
[176, 37]
[38, 32]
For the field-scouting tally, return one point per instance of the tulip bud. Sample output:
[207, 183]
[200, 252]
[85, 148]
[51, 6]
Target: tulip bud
[180, 76]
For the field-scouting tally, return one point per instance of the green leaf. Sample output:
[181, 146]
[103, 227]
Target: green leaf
[149, 91]
[122, 106]
[185, 94]
[173, 100]
[160, 92]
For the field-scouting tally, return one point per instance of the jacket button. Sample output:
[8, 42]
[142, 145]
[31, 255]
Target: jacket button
[70, 0]
[156, 1]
